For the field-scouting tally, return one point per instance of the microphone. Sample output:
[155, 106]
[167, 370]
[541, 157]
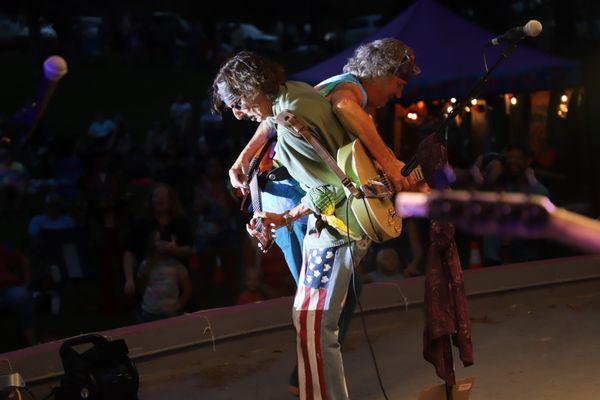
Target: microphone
[532, 29]
[55, 67]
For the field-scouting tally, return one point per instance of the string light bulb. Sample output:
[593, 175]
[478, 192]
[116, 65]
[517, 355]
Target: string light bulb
[474, 102]
[453, 100]
[564, 98]
[513, 101]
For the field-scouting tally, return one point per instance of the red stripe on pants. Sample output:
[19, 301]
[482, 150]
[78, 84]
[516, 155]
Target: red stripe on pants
[318, 318]
[304, 344]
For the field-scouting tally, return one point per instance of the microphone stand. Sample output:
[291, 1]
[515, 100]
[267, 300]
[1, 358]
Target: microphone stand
[413, 162]
[474, 92]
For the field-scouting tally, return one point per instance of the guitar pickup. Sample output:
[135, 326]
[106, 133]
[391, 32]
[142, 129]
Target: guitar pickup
[376, 189]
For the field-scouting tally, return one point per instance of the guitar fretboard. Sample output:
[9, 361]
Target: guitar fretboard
[256, 199]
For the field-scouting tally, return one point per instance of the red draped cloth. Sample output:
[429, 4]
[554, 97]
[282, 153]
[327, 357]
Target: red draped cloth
[446, 309]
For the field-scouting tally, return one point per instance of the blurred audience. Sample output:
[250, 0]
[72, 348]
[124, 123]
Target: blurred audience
[173, 260]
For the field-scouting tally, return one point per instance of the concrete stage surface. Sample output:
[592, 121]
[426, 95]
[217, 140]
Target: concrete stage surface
[536, 335]
[539, 343]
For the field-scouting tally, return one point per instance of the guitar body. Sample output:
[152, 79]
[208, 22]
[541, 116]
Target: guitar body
[376, 215]
[260, 165]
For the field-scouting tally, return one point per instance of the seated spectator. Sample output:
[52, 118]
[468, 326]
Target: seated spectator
[519, 176]
[166, 283]
[252, 291]
[388, 266]
[14, 294]
[53, 218]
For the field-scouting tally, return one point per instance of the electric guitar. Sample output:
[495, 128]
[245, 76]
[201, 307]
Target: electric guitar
[514, 214]
[375, 210]
[260, 164]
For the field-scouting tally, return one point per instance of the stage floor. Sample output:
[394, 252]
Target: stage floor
[541, 343]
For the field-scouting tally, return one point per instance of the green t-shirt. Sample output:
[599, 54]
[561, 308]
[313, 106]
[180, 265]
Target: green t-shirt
[305, 165]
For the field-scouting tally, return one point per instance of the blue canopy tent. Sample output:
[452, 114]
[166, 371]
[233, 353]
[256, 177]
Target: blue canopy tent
[449, 52]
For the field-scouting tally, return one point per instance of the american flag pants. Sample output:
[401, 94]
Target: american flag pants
[322, 290]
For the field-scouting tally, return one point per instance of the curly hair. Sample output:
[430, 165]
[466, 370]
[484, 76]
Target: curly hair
[243, 77]
[382, 57]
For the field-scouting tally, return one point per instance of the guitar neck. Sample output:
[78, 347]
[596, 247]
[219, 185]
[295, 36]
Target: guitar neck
[255, 195]
[574, 229]
[511, 214]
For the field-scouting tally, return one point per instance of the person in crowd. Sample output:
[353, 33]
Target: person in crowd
[165, 281]
[519, 175]
[388, 266]
[252, 287]
[53, 218]
[101, 127]
[513, 173]
[167, 217]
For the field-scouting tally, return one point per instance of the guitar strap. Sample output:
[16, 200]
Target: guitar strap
[298, 127]
[260, 156]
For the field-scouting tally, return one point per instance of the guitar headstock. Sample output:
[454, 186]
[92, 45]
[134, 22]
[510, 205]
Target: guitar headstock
[481, 213]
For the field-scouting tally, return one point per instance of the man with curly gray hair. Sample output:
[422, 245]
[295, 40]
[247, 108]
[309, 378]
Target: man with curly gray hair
[383, 57]
[376, 74]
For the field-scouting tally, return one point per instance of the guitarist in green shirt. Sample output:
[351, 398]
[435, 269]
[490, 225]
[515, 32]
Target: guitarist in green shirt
[254, 87]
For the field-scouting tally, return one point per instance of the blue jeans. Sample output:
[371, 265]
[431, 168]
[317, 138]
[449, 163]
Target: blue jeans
[290, 244]
[18, 299]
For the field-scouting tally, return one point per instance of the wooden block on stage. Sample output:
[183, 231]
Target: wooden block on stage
[460, 391]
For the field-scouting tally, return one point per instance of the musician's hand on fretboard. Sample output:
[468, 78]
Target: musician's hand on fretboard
[256, 229]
